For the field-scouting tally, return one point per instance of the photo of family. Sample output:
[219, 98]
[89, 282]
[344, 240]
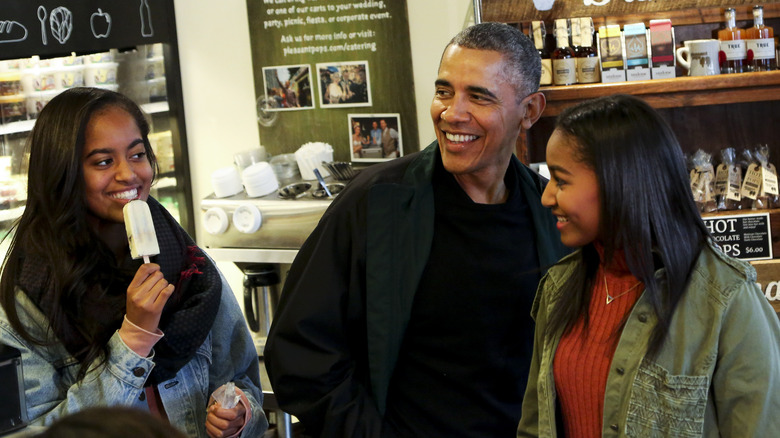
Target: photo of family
[288, 87]
[375, 137]
[344, 84]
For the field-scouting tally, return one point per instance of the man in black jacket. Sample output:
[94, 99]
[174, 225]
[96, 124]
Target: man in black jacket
[407, 310]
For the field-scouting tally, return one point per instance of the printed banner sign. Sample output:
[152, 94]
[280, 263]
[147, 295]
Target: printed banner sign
[337, 72]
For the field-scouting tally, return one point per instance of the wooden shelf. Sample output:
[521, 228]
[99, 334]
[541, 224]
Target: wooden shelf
[27, 125]
[672, 93]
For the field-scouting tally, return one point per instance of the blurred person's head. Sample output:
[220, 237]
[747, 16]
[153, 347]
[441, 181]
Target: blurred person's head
[111, 422]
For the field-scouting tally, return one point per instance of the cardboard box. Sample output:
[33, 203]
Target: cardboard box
[662, 49]
[611, 54]
[637, 55]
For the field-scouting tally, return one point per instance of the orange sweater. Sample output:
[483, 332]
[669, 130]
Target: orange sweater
[583, 358]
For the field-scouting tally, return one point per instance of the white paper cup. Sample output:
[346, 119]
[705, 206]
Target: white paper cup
[248, 157]
[226, 182]
[259, 179]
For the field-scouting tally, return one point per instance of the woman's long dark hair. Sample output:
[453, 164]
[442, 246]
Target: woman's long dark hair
[53, 228]
[647, 209]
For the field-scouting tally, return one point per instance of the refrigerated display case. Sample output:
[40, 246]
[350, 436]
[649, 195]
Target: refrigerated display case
[127, 45]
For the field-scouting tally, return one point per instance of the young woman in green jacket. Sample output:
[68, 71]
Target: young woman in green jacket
[648, 329]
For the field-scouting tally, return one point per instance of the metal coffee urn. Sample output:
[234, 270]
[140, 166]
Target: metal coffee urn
[261, 296]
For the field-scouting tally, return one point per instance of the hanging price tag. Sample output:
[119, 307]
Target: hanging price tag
[752, 182]
[769, 179]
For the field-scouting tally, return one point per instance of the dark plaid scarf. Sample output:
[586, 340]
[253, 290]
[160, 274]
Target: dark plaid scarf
[186, 319]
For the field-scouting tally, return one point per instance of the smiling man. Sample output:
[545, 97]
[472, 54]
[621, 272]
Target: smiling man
[407, 311]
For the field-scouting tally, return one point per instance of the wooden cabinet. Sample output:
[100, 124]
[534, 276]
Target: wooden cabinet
[705, 112]
[710, 113]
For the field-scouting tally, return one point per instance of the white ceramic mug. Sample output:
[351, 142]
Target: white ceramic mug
[700, 57]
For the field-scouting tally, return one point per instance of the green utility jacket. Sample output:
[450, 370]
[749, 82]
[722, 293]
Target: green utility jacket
[348, 296]
[717, 374]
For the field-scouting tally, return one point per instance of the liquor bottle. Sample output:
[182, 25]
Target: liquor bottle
[538, 35]
[732, 44]
[586, 54]
[574, 31]
[760, 43]
[563, 61]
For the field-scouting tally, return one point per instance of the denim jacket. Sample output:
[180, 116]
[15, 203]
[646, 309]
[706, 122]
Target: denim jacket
[51, 390]
[716, 375]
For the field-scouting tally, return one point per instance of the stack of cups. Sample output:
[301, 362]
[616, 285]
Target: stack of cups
[310, 156]
[226, 182]
[259, 179]
[285, 167]
[248, 157]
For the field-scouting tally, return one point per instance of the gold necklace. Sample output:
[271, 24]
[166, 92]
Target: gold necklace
[610, 298]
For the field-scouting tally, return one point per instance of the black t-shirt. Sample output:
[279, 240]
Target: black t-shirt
[464, 361]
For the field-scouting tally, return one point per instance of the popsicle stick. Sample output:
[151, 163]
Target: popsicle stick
[146, 259]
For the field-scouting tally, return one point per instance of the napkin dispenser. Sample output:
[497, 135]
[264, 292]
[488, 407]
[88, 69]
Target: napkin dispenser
[13, 410]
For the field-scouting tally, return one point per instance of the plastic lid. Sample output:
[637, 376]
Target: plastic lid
[215, 220]
[247, 219]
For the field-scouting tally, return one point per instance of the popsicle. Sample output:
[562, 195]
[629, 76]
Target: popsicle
[140, 230]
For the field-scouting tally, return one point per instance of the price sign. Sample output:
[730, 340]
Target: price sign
[747, 237]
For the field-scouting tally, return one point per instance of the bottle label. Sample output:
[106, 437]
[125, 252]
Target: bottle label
[763, 48]
[564, 71]
[547, 75]
[734, 49]
[588, 70]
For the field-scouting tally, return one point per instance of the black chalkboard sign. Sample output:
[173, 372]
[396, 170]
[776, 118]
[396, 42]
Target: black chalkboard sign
[57, 28]
[744, 236]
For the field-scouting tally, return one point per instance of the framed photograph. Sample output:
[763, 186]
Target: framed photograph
[375, 137]
[288, 87]
[344, 84]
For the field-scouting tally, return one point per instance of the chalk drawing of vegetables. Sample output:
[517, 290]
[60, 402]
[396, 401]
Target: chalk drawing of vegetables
[61, 23]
